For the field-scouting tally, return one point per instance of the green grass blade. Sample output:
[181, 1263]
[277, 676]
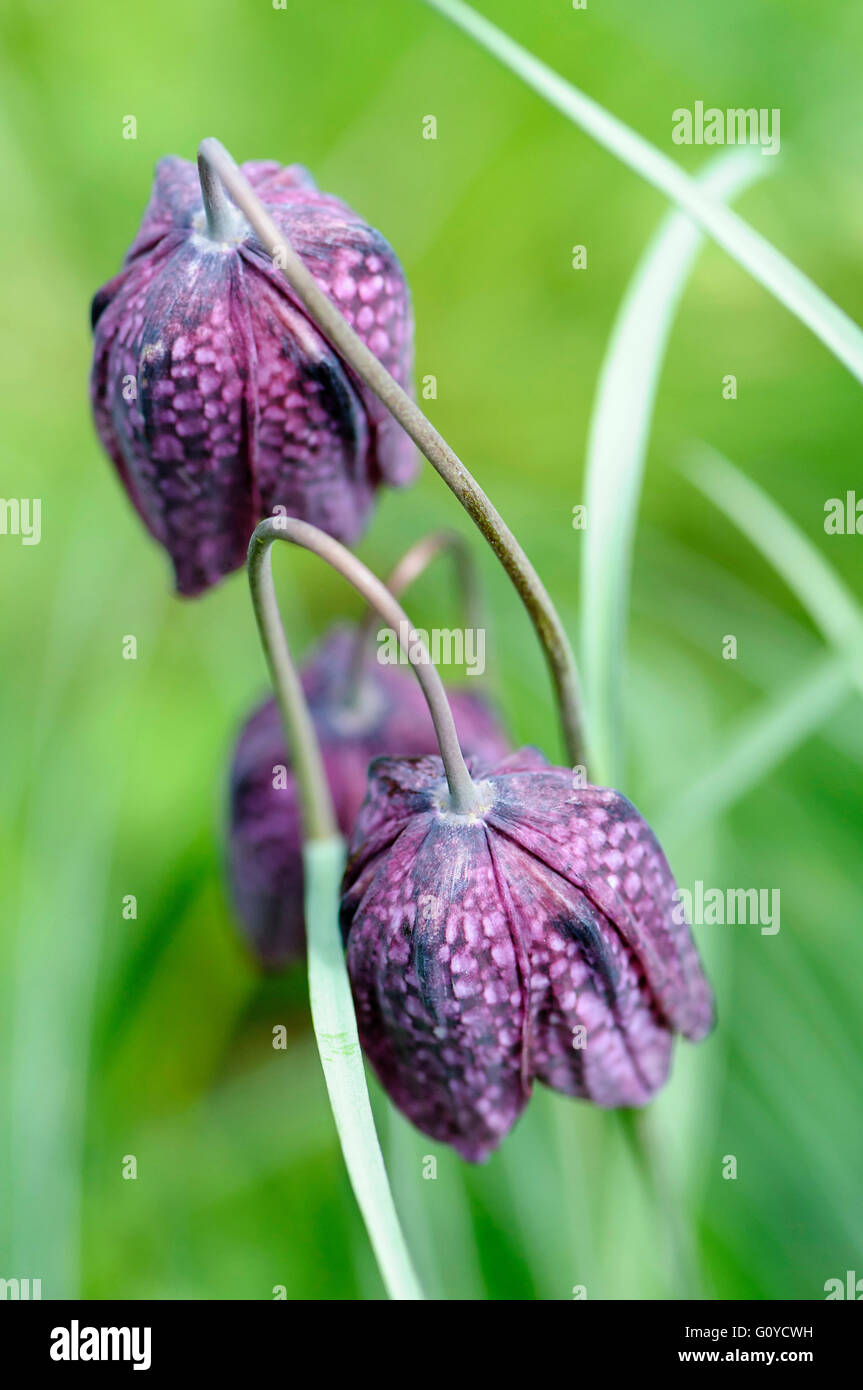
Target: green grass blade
[829, 603]
[617, 448]
[765, 740]
[774, 732]
[751, 250]
[54, 986]
[336, 1033]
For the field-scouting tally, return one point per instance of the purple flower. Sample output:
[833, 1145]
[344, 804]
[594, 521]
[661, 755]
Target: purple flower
[388, 716]
[218, 399]
[533, 940]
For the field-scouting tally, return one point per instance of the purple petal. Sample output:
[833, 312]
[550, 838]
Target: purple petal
[439, 984]
[184, 438]
[583, 976]
[310, 441]
[388, 713]
[595, 838]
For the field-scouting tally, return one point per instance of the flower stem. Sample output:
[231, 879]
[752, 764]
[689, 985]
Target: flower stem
[316, 804]
[332, 1008]
[408, 569]
[223, 220]
[213, 156]
[463, 793]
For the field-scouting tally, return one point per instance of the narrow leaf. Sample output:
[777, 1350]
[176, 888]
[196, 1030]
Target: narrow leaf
[751, 250]
[338, 1043]
[617, 448]
[829, 603]
[752, 751]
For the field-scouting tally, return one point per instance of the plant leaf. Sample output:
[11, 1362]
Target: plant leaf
[829, 603]
[339, 1047]
[751, 250]
[764, 740]
[616, 452]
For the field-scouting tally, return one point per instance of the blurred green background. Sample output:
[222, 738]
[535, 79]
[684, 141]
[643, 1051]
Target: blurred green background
[152, 1037]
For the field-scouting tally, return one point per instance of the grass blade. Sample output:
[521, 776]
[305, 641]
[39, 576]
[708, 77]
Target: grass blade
[765, 740]
[338, 1043]
[751, 250]
[617, 448]
[798, 712]
[829, 603]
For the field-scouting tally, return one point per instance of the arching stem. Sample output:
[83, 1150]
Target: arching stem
[463, 793]
[213, 155]
[408, 569]
[332, 1007]
[316, 803]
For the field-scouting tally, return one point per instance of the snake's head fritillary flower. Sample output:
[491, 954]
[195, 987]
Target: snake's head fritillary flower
[534, 939]
[215, 395]
[384, 712]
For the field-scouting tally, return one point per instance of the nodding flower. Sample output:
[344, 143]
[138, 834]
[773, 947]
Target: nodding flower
[531, 939]
[218, 399]
[358, 715]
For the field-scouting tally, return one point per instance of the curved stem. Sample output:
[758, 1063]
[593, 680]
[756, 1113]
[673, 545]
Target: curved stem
[316, 803]
[478, 506]
[463, 793]
[332, 1007]
[408, 569]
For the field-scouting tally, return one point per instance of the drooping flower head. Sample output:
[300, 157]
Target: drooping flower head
[384, 712]
[215, 395]
[534, 939]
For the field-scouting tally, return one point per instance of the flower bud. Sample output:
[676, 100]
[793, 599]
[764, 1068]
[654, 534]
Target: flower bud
[534, 939]
[384, 713]
[218, 399]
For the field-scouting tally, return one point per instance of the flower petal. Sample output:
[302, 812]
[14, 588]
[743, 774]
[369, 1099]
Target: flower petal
[310, 449]
[357, 268]
[184, 438]
[596, 839]
[594, 1030]
[439, 984]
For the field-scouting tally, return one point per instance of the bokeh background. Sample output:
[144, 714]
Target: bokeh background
[152, 1037]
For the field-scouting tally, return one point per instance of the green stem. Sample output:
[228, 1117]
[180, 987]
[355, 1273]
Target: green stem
[408, 569]
[332, 1008]
[213, 156]
[463, 793]
[323, 860]
[224, 221]
[316, 804]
